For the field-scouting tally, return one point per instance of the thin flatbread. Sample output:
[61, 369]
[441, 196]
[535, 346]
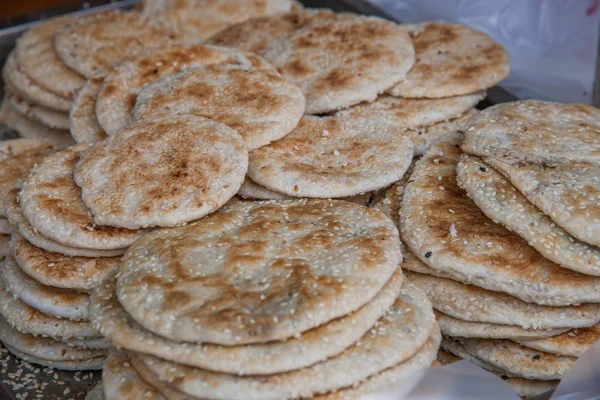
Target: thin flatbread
[120, 381]
[44, 115]
[251, 190]
[84, 124]
[79, 365]
[572, 343]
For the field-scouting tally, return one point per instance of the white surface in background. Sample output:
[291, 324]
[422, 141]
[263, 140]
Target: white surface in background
[552, 43]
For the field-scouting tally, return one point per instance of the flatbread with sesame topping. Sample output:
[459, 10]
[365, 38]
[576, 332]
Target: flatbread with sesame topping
[332, 157]
[78, 365]
[90, 44]
[572, 343]
[251, 190]
[452, 60]
[296, 274]
[259, 104]
[297, 352]
[396, 338]
[56, 302]
[162, 171]
[449, 233]
[120, 381]
[344, 61]
[503, 203]
[58, 270]
[122, 85]
[51, 202]
[84, 123]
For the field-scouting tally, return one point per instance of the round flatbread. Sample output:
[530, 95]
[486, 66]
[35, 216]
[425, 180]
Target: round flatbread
[550, 153]
[572, 343]
[56, 302]
[84, 124]
[472, 303]
[6, 228]
[250, 190]
[259, 104]
[372, 55]
[17, 157]
[196, 20]
[332, 157]
[257, 34]
[518, 360]
[27, 319]
[503, 203]
[38, 60]
[46, 116]
[452, 60]
[97, 393]
[460, 328]
[450, 234]
[123, 84]
[51, 202]
[25, 88]
[90, 44]
[290, 288]
[301, 351]
[13, 211]
[121, 381]
[79, 365]
[185, 168]
[31, 129]
[396, 338]
[60, 271]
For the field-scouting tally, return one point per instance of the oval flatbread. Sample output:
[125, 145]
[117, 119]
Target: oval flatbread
[162, 171]
[289, 286]
[344, 61]
[79, 365]
[84, 124]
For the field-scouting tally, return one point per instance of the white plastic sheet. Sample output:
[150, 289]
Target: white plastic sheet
[552, 43]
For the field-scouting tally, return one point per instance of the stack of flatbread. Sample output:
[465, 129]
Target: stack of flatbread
[502, 222]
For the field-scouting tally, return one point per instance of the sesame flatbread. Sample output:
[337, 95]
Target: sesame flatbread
[572, 343]
[251, 190]
[397, 337]
[259, 104]
[185, 168]
[51, 202]
[121, 381]
[503, 203]
[84, 124]
[44, 115]
[372, 56]
[79, 365]
[330, 157]
[255, 359]
[38, 60]
[122, 85]
[90, 44]
[452, 60]
[449, 233]
[291, 288]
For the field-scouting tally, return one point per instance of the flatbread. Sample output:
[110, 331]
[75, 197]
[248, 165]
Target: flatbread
[93, 343]
[257, 34]
[332, 157]
[44, 348]
[301, 351]
[450, 234]
[24, 87]
[289, 286]
[396, 338]
[251, 190]
[51, 202]
[344, 61]
[84, 124]
[519, 360]
[456, 347]
[121, 381]
[460, 328]
[413, 113]
[196, 20]
[38, 60]
[79, 365]
[475, 304]
[90, 44]
[31, 129]
[44, 115]
[60, 271]
[259, 104]
[6, 228]
[17, 157]
[123, 84]
[97, 393]
[503, 203]
[4, 245]
[573, 343]
[27, 319]
[13, 211]
[452, 60]
[148, 376]
[185, 168]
